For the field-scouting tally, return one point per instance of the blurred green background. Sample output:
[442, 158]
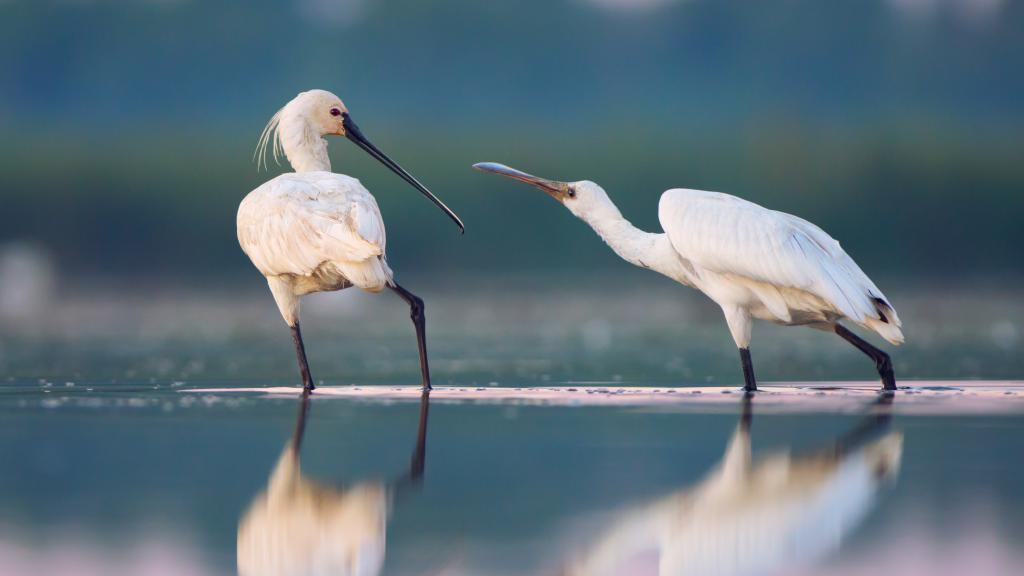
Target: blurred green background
[894, 124]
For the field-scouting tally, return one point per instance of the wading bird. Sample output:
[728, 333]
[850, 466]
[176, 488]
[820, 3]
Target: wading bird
[316, 231]
[752, 261]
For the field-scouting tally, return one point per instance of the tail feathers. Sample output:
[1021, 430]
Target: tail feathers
[888, 324]
[372, 275]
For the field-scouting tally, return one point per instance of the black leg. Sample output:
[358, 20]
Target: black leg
[749, 382]
[882, 361]
[419, 321]
[300, 351]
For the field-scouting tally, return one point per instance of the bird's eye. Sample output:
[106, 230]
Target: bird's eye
[335, 112]
[572, 191]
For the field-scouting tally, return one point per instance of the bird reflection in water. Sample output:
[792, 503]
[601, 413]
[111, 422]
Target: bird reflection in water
[299, 526]
[754, 516]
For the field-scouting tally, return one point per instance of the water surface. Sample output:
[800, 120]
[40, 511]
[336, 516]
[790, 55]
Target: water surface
[114, 464]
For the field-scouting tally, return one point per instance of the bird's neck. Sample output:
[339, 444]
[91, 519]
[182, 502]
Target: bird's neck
[640, 248]
[305, 148]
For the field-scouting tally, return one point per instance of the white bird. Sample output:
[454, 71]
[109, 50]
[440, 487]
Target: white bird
[751, 261]
[313, 230]
[751, 516]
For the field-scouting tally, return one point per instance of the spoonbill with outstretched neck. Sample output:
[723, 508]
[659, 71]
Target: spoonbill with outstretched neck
[315, 231]
[752, 261]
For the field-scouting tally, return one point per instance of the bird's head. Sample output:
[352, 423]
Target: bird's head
[300, 126]
[322, 111]
[584, 198]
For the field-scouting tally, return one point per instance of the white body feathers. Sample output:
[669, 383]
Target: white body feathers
[313, 232]
[757, 262]
[752, 261]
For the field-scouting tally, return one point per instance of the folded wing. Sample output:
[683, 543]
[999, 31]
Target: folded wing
[295, 222]
[728, 235]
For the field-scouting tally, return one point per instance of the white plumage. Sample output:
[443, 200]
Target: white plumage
[775, 265]
[313, 230]
[330, 215]
[753, 262]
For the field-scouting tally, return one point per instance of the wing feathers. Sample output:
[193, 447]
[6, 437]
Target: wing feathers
[773, 250]
[296, 222]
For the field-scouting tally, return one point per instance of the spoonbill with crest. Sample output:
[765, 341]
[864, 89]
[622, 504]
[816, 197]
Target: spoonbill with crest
[752, 261]
[315, 231]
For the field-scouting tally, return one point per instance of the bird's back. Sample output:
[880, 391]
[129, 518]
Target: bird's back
[731, 236]
[296, 222]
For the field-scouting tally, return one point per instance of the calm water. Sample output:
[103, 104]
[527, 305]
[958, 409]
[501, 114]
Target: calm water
[112, 466]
